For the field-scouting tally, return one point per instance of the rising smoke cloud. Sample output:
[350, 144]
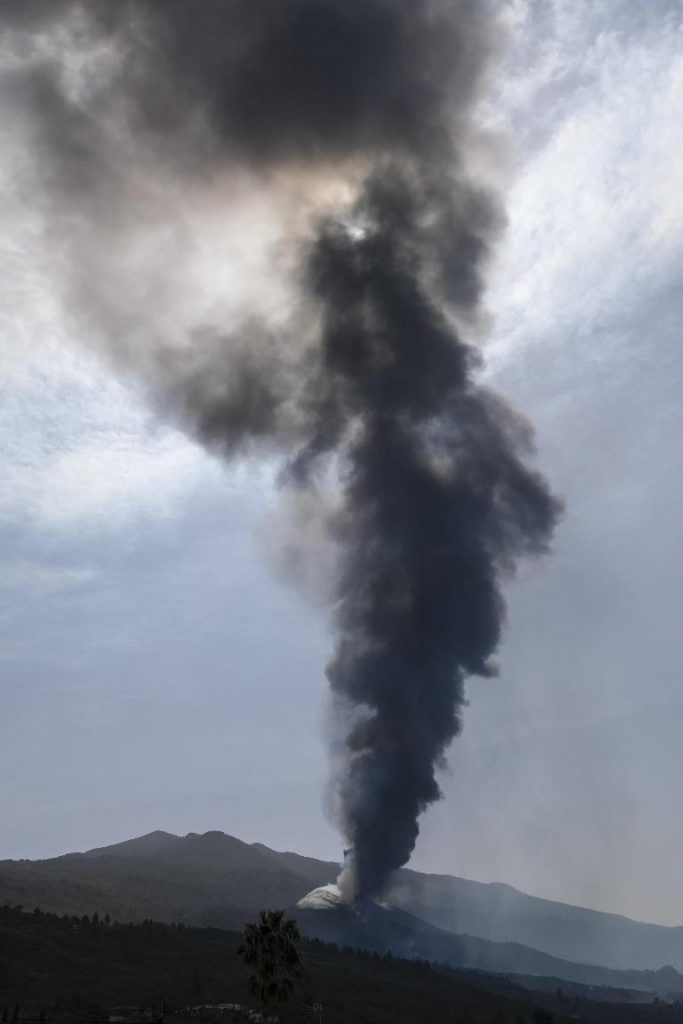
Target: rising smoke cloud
[346, 354]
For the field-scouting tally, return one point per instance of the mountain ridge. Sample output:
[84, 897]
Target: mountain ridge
[217, 879]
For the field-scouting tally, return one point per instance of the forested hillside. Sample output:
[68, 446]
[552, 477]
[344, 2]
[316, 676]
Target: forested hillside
[59, 966]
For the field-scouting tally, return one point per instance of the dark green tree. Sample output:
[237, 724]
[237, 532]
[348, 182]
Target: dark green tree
[197, 982]
[542, 1016]
[271, 948]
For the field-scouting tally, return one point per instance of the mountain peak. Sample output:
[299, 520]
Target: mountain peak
[150, 845]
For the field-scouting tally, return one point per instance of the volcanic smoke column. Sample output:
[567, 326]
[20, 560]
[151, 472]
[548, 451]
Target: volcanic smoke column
[438, 502]
[371, 384]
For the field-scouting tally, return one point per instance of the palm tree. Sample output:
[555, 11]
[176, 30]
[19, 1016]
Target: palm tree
[271, 948]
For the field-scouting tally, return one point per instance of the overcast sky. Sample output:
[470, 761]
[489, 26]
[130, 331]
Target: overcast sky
[157, 668]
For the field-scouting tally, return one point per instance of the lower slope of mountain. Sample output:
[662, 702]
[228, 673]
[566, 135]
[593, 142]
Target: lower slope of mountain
[503, 914]
[216, 879]
[385, 929]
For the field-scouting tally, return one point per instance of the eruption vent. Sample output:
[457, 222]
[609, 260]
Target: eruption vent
[350, 122]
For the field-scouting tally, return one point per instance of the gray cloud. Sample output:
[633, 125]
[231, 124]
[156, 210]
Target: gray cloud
[369, 376]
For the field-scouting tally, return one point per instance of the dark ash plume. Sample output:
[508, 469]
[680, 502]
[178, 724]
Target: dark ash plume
[438, 504]
[368, 379]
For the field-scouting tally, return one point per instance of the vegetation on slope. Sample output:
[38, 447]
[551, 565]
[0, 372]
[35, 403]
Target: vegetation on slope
[73, 965]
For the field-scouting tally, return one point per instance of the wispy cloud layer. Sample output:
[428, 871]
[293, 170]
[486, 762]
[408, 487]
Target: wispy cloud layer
[595, 212]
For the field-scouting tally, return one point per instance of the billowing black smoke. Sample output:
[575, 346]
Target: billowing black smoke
[438, 504]
[368, 388]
